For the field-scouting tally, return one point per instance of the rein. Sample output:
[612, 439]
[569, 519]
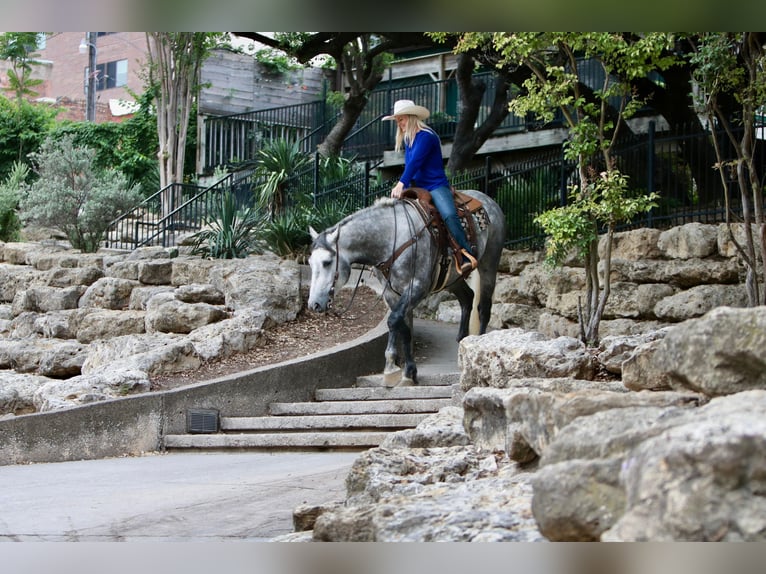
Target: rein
[335, 279]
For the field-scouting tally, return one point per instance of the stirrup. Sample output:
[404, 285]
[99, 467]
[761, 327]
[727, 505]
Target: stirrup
[467, 266]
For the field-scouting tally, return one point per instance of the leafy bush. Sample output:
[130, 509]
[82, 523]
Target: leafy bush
[23, 128]
[71, 195]
[230, 231]
[130, 146]
[10, 224]
[287, 234]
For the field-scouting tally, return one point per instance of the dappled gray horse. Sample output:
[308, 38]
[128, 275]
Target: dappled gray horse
[392, 237]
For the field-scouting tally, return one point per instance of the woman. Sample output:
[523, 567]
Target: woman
[424, 168]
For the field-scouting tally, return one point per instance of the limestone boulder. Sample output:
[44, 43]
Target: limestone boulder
[614, 350]
[45, 299]
[68, 277]
[499, 357]
[633, 245]
[680, 273]
[49, 357]
[17, 391]
[689, 241]
[699, 481]
[166, 314]
[577, 500]
[720, 353]
[84, 389]
[109, 293]
[697, 301]
[441, 430]
[150, 354]
[240, 334]
[271, 285]
[107, 323]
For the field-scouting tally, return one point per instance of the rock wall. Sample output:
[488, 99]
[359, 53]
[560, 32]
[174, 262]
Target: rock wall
[659, 278]
[77, 328]
[657, 435]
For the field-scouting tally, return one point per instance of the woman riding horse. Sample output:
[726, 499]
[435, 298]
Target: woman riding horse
[424, 168]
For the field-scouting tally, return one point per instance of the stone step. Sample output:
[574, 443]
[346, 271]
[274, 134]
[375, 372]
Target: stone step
[384, 393]
[393, 406]
[433, 379]
[299, 423]
[308, 440]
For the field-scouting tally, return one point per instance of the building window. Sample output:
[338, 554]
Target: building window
[110, 75]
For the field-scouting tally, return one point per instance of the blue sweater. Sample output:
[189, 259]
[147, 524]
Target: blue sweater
[423, 163]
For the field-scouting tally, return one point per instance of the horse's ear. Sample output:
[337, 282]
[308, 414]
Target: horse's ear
[313, 232]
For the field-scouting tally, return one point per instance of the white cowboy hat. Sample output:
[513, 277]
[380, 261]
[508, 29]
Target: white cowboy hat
[408, 107]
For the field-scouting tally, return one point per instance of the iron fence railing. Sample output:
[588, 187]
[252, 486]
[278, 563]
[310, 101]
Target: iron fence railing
[678, 165]
[235, 139]
[175, 211]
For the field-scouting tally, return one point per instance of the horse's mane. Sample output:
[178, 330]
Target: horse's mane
[321, 239]
[385, 201]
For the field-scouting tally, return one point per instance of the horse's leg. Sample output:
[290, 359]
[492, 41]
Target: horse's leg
[487, 289]
[400, 322]
[391, 371]
[464, 296]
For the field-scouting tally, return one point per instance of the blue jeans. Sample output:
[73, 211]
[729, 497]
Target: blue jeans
[444, 202]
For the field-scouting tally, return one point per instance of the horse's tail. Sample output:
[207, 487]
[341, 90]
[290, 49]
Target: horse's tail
[474, 282]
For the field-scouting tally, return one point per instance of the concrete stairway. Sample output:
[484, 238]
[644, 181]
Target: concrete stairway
[352, 418]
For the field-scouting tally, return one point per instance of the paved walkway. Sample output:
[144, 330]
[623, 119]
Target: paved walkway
[246, 496]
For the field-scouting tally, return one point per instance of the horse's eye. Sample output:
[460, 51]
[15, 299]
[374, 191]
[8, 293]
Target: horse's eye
[326, 263]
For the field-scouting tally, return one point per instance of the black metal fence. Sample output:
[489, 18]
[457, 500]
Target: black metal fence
[678, 165]
[235, 139]
[174, 211]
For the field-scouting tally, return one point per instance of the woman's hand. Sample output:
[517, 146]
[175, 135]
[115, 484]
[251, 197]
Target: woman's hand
[397, 191]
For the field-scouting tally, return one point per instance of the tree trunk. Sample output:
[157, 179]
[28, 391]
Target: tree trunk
[333, 143]
[468, 137]
[174, 64]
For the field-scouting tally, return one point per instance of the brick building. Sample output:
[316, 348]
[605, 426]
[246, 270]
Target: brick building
[120, 57]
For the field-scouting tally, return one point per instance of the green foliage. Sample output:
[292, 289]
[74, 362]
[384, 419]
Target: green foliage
[576, 226]
[73, 196]
[231, 231]
[18, 49]
[287, 235]
[334, 169]
[10, 224]
[129, 146]
[23, 128]
[276, 62]
[276, 162]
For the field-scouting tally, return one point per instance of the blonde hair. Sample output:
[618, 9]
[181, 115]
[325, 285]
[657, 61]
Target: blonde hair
[407, 136]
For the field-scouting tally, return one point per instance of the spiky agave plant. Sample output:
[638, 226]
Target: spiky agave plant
[277, 161]
[230, 230]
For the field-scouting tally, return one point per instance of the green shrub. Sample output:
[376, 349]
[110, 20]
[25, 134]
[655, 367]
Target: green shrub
[276, 162]
[230, 231]
[71, 195]
[10, 224]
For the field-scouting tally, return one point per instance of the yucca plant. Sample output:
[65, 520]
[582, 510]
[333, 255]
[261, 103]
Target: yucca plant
[334, 169]
[230, 231]
[276, 162]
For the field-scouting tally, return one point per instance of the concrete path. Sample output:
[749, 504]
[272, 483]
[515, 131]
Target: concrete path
[248, 496]
[171, 497]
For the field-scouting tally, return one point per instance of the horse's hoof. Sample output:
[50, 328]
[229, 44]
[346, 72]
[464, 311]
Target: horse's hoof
[391, 378]
[405, 382]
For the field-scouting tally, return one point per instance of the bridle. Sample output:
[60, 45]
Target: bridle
[336, 275]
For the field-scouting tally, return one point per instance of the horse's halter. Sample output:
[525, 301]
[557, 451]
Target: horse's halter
[336, 275]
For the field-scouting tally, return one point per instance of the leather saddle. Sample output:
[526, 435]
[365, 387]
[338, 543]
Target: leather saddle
[466, 207]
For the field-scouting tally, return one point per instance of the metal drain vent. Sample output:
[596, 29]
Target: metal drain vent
[200, 421]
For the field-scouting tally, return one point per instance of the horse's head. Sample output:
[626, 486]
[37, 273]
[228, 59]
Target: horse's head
[329, 269]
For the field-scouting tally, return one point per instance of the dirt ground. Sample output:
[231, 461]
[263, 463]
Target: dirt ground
[308, 333]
